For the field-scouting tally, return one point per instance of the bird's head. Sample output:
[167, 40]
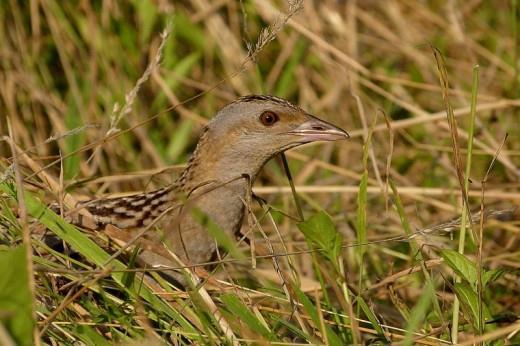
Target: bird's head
[249, 131]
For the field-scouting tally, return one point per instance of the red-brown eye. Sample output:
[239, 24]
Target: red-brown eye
[268, 118]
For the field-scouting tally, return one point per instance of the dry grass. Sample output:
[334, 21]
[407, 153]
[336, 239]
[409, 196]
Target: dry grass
[65, 65]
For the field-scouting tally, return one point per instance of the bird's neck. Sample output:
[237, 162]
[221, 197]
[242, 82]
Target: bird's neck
[216, 161]
[218, 179]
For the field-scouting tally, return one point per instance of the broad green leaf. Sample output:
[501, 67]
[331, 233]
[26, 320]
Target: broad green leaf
[469, 302]
[461, 265]
[240, 310]
[321, 232]
[491, 275]
[15, 297]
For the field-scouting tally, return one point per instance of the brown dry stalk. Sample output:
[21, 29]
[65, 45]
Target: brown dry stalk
[403, 190]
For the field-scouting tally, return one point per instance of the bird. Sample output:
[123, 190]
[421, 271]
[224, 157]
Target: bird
[232, 148]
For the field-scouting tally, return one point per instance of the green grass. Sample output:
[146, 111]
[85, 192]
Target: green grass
[344, 261]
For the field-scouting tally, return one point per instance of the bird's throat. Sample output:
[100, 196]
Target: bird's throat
[218, 183]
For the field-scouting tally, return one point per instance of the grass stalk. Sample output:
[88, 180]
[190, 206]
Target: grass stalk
[26, 233]
[293, 189]
[514, 23]
[464, 217]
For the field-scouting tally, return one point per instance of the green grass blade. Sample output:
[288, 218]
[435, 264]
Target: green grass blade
[242, 312]
[371, 317]
[321, 232]
[419, 313]
[311, 310]
[15, 297]
[85, 246]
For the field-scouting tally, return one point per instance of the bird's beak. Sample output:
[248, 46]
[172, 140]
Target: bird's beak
[319, 130]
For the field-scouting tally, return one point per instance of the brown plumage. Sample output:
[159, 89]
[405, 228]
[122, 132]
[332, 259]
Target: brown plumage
[232, 149]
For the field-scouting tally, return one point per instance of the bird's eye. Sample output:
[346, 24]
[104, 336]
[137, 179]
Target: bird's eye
[268, 118]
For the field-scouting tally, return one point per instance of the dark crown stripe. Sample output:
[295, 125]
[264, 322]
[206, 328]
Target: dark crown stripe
[268, 98]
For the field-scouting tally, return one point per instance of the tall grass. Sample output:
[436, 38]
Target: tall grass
[366, 245]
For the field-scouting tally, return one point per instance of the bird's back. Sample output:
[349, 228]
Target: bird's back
[133, 211]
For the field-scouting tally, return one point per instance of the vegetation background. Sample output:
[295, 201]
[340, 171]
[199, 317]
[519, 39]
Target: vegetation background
[103, 97]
